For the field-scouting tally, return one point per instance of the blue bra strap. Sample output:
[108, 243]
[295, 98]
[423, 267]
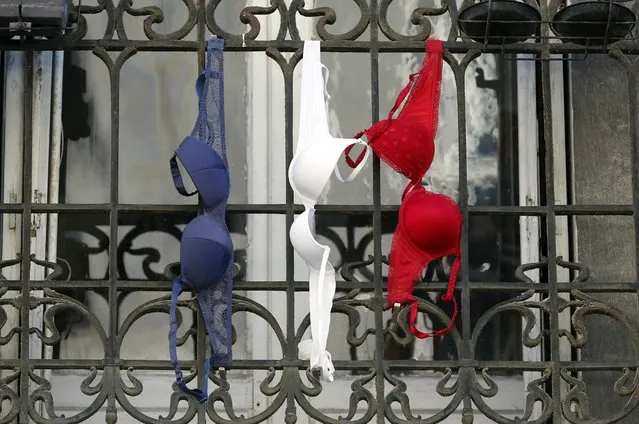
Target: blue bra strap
[200, 395]
[201, 80]
[199, 84]
[177, 177]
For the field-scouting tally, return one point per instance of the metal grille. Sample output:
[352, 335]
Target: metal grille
[378, 394]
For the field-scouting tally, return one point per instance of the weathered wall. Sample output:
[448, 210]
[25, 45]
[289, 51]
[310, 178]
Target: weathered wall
[602, 175]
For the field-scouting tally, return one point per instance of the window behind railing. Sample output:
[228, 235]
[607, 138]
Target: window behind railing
[538, 153]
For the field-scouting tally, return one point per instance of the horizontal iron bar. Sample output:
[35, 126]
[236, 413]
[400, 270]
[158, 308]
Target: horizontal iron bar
[273, 208]
[247, 364]
[365, 286]
[558, 210]
[510, 365]
[346, 46]
[281, 208]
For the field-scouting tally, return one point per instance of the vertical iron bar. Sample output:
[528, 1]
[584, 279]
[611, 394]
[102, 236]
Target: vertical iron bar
[377, 226]
[467, 349]
[291, 353]
[201, 35]
[463, 204]
[112, 356]
[634, 138]
[114, 74]
[550, 236]
[27, 185]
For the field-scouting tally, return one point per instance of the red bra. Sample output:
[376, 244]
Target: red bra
[429, 225]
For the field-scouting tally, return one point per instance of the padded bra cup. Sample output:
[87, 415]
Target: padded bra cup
[204, 256]
[404, 144]
[207, 171]
[303, 241]
[311, 168]
[432, 222]
[214, 195]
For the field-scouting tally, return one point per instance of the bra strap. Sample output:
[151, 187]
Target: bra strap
[357, 168]
[402, 95]
[400, 98]
[209, 87]
[325, 308]
[313, 113]
[200, 84]
[200, 395]
[327, 96]
[177, 177]
[447, 297]
[363, 154]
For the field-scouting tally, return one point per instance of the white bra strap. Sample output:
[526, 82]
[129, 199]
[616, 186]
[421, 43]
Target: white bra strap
[324, 311]
[320, 282]
[358, 168]
[313, 117]
[326, 95]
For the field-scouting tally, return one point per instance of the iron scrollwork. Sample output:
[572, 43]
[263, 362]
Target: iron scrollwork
[155, 15]
[463, 380]
[419, 17]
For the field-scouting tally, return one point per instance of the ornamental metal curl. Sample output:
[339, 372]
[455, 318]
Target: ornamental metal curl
[9, 397]
[42, 394]
[155, 15]
[584, 305]
[358, 394]
[576, 404]
[418, 17]
[399, 395]
[124, 391]
[221, 395]
[328, 16]
[248, 16]
[536, 393]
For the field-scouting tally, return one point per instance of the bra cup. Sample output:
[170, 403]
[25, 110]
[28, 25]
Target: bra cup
[195, 154]
[313, 166]
[429, 228]
[213, 184]
[206, 169]
[298, 236]
[405, 267]
[432, 222]
[303, 241]
[204, 253]
[405, 146]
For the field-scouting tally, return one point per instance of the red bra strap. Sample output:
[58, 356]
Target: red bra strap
[400, 98]
[447, 297]
[350, 162]
[432, 46]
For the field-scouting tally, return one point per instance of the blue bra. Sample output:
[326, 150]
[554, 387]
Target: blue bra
[206, 249]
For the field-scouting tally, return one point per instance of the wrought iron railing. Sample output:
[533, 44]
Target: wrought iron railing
[380, 390]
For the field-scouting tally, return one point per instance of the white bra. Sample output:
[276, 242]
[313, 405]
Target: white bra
[316, 157]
